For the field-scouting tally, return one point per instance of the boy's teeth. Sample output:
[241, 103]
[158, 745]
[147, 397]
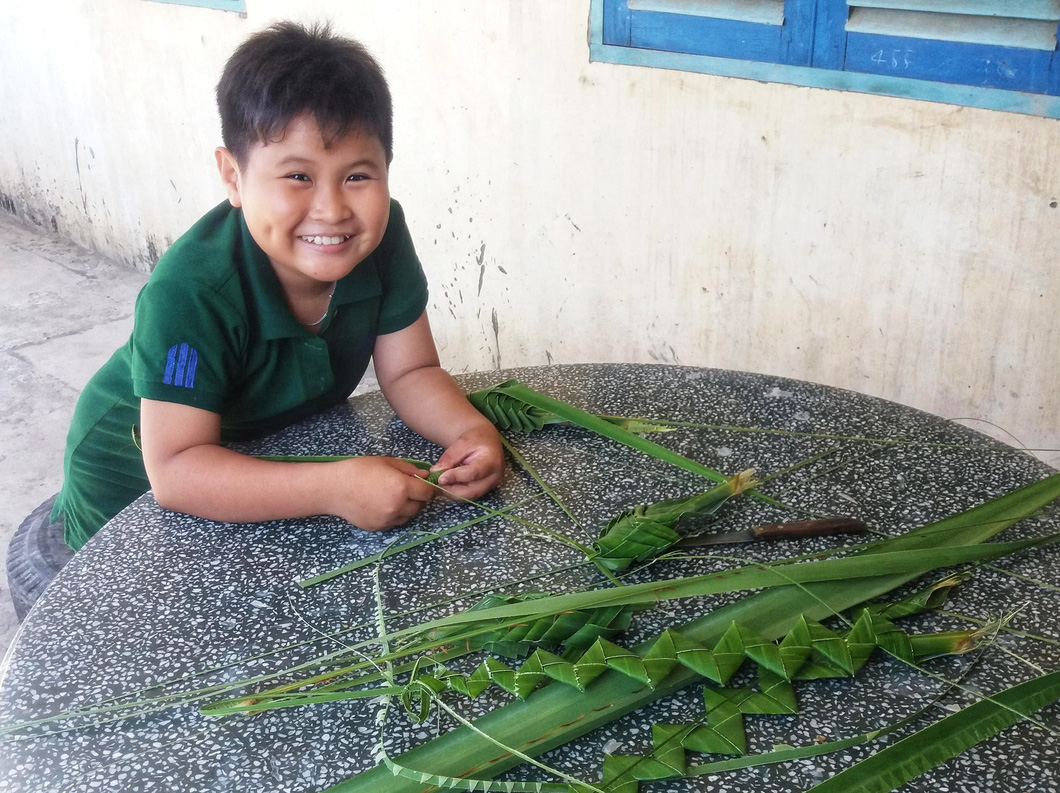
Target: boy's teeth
[325, 240]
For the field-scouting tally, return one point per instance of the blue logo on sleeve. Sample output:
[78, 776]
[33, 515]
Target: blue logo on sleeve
[180, 366]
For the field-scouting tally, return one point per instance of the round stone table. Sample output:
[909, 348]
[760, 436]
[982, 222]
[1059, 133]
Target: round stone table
[159, 605]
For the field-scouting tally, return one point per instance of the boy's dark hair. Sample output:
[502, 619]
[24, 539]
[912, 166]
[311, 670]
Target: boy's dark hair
[286, 70]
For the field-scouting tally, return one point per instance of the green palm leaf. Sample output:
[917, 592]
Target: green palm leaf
[554, 715]
[945, 739]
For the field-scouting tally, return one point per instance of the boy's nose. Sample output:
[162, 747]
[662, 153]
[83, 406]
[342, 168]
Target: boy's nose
[330, 204]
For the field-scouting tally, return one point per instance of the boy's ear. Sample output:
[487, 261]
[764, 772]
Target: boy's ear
[229, 170]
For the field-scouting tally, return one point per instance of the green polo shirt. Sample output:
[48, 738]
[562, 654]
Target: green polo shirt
[212, 330]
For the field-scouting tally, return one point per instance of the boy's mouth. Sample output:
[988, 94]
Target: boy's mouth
[326, 240]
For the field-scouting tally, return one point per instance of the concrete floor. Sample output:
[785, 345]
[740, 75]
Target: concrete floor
[63, 311]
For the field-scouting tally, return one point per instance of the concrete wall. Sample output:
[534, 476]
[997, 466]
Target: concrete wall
[574, 211]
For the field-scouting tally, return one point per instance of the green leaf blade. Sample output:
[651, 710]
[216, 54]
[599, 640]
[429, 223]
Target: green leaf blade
[945, 739]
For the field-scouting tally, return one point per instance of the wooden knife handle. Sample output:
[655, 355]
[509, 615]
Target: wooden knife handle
[809, 528]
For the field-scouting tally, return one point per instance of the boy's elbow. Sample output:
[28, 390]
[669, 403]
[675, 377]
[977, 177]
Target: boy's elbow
[167, 496]
[165, 483]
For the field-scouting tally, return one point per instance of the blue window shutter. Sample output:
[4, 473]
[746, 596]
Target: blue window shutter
[1054, 73]
[769, 31]
[616, 24]
[830, 38]
[1010, 45]
[996, 54]
[946, 62]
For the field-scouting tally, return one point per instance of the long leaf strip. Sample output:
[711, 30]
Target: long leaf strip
[870, 568]
[996, 446]
[500, 400]
[912, 756]
[426, 537]
[572, 629]
[808, 651]
[575, 630]
[484, 785]
[507, 412]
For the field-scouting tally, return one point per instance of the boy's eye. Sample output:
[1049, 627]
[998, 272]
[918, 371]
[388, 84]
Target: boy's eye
[298, 177]
[357, 177]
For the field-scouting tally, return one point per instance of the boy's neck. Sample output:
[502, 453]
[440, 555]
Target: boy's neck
[307, 299]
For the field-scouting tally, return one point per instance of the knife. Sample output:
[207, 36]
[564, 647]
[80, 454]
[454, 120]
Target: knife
[797, 530]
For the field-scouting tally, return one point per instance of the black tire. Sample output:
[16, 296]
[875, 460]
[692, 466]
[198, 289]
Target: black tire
[36, 554]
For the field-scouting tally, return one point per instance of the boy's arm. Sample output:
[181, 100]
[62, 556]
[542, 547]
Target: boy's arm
[429, 401]
[191, 472]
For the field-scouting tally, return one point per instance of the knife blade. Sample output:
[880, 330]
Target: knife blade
[795, 530]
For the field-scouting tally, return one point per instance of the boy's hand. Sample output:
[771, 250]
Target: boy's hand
[474, 463]
[382, 492]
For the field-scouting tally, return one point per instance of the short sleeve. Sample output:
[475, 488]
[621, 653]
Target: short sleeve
[185, 343]
[401, 275]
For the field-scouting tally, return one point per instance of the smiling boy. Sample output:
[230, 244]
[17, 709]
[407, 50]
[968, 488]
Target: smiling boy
[268, 310]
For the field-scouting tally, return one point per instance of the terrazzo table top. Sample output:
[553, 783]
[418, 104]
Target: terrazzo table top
[160, 603]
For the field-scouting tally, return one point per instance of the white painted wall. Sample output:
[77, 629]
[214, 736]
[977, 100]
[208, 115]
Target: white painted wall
[574, 211]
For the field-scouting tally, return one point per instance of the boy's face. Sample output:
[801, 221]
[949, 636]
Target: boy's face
[316, 212]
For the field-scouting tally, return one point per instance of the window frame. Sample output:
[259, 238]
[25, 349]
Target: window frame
[612, 27]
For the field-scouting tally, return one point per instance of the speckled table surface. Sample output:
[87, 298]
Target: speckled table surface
[160, 604]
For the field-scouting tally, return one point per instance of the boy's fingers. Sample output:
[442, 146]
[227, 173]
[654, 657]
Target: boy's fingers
[460, 475]
[418, 490]
[471, 490]
[451, 458]
[405, 467]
